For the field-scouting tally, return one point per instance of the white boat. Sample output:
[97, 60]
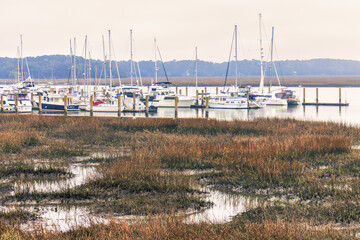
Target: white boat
[111, 105]
[226, 102]
[24, 103]
[169, 101]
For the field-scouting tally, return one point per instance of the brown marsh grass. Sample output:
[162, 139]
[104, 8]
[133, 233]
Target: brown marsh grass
[258, 154]
[170, 227]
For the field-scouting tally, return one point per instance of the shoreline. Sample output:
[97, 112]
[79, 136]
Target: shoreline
[291, 81]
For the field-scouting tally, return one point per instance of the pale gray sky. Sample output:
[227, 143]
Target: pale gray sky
[304, 29]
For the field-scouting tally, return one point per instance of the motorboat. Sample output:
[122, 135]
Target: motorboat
[23, 105]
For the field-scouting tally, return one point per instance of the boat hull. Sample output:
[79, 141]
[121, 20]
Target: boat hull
[171, 103]
[49, 107]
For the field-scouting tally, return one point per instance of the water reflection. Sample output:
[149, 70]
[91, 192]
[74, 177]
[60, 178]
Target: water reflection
[80, 175]
[349, 114]
[225, 206]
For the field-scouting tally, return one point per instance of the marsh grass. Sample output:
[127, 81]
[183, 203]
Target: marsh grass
[25, 169]
[172, 227]
[14, 217]
[260, 154]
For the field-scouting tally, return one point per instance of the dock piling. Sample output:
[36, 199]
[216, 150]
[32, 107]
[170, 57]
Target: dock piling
[119, 105]
[91, 105]
[304, 95]
[176, 106]
[207, 108]
[197, 97]
[40, 105]
[65, 105]
[202, 97]
[317, 96]
[187, 91]
[16, 103]
[340, 96]
[147, 104]
[2, 103]
[134, 102]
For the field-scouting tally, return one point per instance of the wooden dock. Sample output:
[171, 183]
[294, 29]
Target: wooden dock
[325, 104]
[317, 103]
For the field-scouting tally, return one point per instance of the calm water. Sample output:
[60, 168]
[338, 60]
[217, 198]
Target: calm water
[349, 114]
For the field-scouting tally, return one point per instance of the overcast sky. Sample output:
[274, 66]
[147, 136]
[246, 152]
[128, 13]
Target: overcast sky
[304, 29]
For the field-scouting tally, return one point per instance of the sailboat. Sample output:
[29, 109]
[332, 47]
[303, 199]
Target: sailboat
[235, 97]
[160, 93]
[276, 96]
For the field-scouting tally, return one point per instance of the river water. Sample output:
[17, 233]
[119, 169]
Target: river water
[349, 114]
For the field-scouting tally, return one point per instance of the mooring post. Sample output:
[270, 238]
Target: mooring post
[40, 104]
[2, 103]
[94, 95]
[82, 93]
[187, 91]
[147, 104]
[202, 97]
[303, 95]
[217, 90]
[197, 97]
[247, 99]
[32, 99]
[119, 105]
[207, 107]
[26, 91]
[103, 92]
[91, 105]
[339, 96]
[78, 88]
[317, 96]
[176, 90]
[65, 105]
[16, 103]
[134, 102]
[180, 91]
[205, 89]
[176, 106]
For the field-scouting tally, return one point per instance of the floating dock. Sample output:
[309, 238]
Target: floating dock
[326, 104]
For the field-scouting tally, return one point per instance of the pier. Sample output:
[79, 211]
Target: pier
[317, 103]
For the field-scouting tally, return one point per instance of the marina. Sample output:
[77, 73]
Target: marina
[321, 106]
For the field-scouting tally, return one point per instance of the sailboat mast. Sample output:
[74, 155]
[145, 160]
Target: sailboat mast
[89, 72]
[104, 58]
[110, 61]
[131, 59]
[156, 69]
[196, 70]
[271, 56]
[75, 77]
[85, 60]
[236, 58]
[21, 58]
[72, 64]
[18, 65]
[261, 86]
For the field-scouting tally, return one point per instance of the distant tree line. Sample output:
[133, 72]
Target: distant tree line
[59, 67]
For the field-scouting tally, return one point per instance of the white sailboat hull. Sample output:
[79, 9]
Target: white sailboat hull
[170, 103]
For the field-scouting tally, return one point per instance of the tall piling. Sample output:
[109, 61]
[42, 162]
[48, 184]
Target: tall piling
[65, 105]
[91, 105]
